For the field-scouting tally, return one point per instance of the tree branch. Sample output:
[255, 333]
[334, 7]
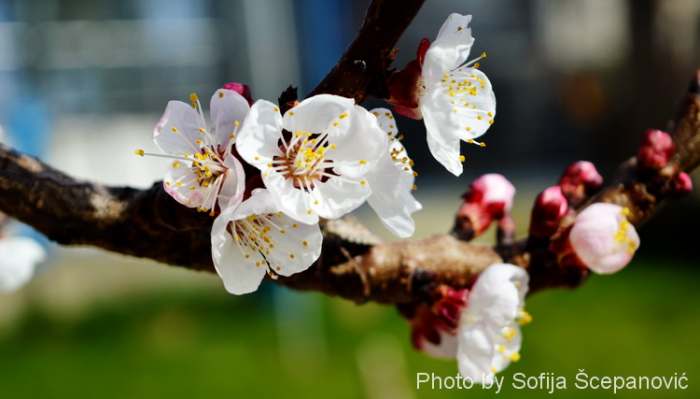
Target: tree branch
[149, 224]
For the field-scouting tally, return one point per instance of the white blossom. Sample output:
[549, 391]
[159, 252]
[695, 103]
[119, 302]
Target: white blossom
[203, 170]
[314, 159]
[255, 238]
[456, 100]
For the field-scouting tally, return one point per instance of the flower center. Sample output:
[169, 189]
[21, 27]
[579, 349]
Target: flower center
[253, 237]
[303, 159]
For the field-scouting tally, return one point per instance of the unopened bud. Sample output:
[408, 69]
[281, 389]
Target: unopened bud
[241, 89]
[656, 149]
[550, 207]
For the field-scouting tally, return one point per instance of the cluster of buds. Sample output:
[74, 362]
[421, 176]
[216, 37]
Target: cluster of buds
[579, 181]
[655, 155]
[490, 198]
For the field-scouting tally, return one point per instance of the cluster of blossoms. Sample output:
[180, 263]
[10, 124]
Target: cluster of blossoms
[269, 176]
[19, 256]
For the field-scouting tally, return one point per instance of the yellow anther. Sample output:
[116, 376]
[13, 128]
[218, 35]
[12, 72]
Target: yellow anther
[343, 115]
[194, 99]
[514, 357]
[173, 129]
[363, 182]
[462, 158]
[524, 317]
[140, 152]
[500, 348]
[176, 164]
[305, 243]
[363, 162]
[509, 333]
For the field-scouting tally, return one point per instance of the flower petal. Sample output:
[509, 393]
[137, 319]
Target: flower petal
[337, 196]
[499, 293]
[361, 148]
[445, 151]
[18, 258]
[240, 274]
[178, 129]
[181, 183]
[293, 201]
[317, 113]
[451, 47]
[233, 186]
[258, 139]
[297, 245]
[447, 349]
[391, 182]
[228, 110]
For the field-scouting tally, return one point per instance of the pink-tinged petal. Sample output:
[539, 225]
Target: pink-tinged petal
[178, 129]
[603, 239]
[181, 183]
[228, 109]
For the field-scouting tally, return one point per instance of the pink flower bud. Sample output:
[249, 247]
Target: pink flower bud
[603, 239]
[579, 180]
[241, 89]
[683, 184]
[656, 149]
[490, 197]
[550, 207]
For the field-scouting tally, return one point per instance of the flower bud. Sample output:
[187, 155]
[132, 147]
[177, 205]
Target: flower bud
[603, 239]
[490, 197]
[241, 89]
[682, 184]
[579, 180]
[656, 149]
[550, 207]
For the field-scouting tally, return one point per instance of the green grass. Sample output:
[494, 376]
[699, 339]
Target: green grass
[204, 343]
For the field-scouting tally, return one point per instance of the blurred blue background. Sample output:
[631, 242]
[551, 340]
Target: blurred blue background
[85, 81]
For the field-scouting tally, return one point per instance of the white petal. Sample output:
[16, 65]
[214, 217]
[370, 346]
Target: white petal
[233, 187]
[445, 151]
[18, 258]
[228, 110]
[239, 274]
[260, 202]
[451, 47]
[338, 196]
[294, 202]
[316, 114]
[446, 349]
[362, 147]
[475, 352]
[178, 129]
[297, 245]
[258, 139]
[499, 293]
[391, 182]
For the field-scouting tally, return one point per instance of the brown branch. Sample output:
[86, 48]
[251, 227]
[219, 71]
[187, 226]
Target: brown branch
[149, 224]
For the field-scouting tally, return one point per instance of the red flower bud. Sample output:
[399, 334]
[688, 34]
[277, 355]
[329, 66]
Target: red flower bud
[241, 89]
[550, 207]
[682, 184]
[579, 180]
[490, 197]
[656, 149]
